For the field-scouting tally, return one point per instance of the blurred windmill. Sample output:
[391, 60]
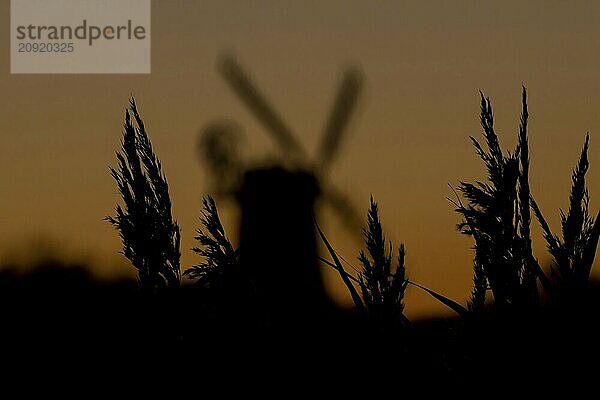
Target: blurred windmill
[277, 237]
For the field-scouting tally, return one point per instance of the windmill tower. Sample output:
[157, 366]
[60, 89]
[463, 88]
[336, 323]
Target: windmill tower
[278, 247]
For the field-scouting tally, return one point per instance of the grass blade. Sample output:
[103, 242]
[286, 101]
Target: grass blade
[454, 306]
[340, 269]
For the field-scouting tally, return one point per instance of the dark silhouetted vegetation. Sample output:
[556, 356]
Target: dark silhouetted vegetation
[382, 279]
[573, 256]
[382, 284]
[219, 256]
[497, 216]
[265, 301]
[147, 229]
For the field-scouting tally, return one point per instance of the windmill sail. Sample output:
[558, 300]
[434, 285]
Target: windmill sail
[340, 115]
[249, 94]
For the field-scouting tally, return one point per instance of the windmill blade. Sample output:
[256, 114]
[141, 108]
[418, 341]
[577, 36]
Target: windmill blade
[239, 81]
[340, 115]
[342, 205]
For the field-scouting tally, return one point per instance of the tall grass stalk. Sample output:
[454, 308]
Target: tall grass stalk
[219, 256]
[382, 287]
[382, 279]
[573, 256]
[497, 217]
[149, 234]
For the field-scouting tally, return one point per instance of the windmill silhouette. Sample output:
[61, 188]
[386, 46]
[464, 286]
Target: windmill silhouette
[278, 247]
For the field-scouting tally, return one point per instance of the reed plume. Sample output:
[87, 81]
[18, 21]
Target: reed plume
[219, 256]
[497, 216]
[149, 234]
[573, 256]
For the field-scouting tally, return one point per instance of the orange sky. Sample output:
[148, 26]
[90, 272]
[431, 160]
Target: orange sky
[423, 61]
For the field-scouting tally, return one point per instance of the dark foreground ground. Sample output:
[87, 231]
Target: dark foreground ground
[58, 323]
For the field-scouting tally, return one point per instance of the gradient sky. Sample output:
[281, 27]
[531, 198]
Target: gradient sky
[424, 62]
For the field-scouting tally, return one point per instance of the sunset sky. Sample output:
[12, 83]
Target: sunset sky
[424, 63]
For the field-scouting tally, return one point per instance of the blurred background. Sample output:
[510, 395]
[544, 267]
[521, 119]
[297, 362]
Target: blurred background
[423, 62]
